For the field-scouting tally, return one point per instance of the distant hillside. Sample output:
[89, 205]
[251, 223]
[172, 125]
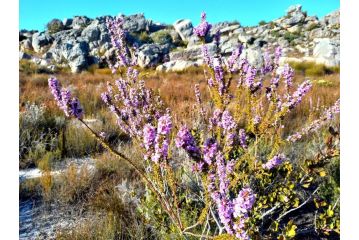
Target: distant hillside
[79, 42]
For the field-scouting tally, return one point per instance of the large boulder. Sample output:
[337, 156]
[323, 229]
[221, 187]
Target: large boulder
[327, 51]
[39, 40]
[135, 23]
[294, 15]
[176, 66]
[192, 53]
[254, 56]
[150, 55]
[332, 19]
[228, 44]
[67, 22]
[74, 54]
[91, 33]
[184, 28]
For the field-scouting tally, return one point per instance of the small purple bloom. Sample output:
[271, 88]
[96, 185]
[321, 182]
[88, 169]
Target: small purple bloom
[274, 162]
[203, 28]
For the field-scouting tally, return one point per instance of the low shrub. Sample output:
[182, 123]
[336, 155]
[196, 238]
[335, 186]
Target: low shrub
[226, 171]
[38, 131]
[313, 69]
[162, 37]
[55, 25]
[74, 184]
[79, 142]
[290, 37]
[262, 22]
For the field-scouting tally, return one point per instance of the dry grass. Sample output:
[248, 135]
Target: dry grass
[176, 90]
[97, 191]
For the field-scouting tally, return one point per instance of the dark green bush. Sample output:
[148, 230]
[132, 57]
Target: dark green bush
[55, 25]
[262, 22]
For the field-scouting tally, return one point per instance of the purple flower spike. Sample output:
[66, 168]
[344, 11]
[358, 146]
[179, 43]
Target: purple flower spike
[203, 28]
[186, 141]
[164, 125]
[244, 202]
[71, 107]
[274, 162]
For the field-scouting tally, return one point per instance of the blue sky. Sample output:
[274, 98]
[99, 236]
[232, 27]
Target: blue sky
[34, 14]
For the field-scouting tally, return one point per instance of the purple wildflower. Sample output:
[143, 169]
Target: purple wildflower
[76, 109]
[203, 28]
[71, 107]
[299, 94]
[274, 162]
[288, 74]
[242, 138]
[277, 55]
[149, 135]
[164, 125]
[186, 141]
[227, 121]
[244, 202]
[210, 149]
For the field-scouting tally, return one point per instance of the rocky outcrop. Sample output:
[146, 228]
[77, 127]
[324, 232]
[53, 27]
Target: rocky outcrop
[177, 66]
[150, 55]
[184, 28]
[40, 40]
[81, 41]
[327, 51]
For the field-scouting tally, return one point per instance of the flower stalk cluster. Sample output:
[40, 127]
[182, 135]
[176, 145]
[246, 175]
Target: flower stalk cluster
[70, 106]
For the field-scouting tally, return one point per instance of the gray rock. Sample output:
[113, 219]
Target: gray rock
[39, 40]
[192, 53]
[193, 41]
[254, 56]
[184, 28]
[217, 27]
[294, 29]
[229, 29]
[228, 44]
[26, 44]
[150, 55]
[77, 55]
[23, 55]
[332, 19]
[294, 8]
[294, 15]
[135, 23]
[316, 33]
[244, 38]
[74, 54]
[80, 22]
[67, 22]
[327, 51]
[91, 33]
[176, 66]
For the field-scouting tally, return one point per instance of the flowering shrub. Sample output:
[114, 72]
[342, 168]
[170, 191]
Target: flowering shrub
[242, 183]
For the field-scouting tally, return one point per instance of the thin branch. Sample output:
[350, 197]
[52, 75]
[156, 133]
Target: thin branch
[336, 202]
[215, 219]
[270, 211]
[301, 205]
[193, 226]
[163, 202]
[198, 235]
